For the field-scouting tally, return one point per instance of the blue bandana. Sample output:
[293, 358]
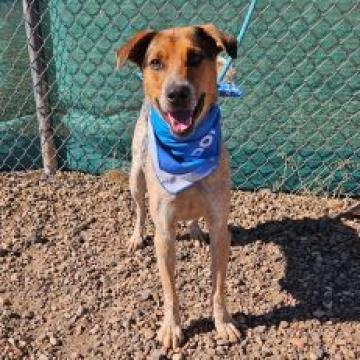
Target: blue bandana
[180, 162]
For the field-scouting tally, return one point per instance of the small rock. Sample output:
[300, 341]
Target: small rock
[28, 315]
[222, 342]
[319, 313]
[178, 356]
[43, 337]
[135, 339]
[337, 356]
[149, 334]
[158, 355]
[146, 295]
[299, 343]
[128, 321]
[95, 329]
[67, 315]
[197, 244]
[14, 315]
[53, 340]
[22, 344]
[210, 353]
[241, 319]
[36, 238]
[72, 321]
[265, 191]
[261, 328]
[149, 346]
[79, 330]
[43, 357]
[319, 352]
[259, 340]
[82, 310]
[138, 356]
[328, 305]
[4, 301]
[3, 252]
[284, 324]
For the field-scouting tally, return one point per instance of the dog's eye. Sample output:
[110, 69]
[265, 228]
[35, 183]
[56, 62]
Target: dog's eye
[156, 64]
[194, 59]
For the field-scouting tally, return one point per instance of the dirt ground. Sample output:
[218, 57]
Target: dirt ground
[70, 290]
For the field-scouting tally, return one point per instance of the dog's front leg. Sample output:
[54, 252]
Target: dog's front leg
[220, 247]
[170, 334]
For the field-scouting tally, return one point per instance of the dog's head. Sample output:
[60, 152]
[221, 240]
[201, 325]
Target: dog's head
[180, 69]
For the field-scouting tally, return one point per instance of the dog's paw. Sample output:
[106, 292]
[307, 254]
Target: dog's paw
[135, 242]
[170, 335]
[197, 234]
[227, 330]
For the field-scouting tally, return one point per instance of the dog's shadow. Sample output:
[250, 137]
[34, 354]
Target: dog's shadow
[322, 270]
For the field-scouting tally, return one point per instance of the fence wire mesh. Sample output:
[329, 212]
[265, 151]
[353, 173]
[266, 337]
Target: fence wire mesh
[296, 129]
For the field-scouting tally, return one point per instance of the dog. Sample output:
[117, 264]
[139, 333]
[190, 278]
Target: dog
[179, 67]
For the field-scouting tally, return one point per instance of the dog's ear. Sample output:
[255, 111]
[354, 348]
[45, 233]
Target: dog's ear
[135, 49]
[216, 40]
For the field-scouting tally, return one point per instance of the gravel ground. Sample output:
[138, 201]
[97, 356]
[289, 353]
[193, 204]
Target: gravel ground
[70, 290]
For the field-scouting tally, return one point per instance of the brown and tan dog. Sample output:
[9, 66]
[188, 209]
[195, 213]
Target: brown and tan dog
[180, 68]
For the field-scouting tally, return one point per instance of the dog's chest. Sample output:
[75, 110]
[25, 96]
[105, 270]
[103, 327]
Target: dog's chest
[204, 196]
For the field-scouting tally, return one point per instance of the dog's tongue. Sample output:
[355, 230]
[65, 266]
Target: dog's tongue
[180, 121]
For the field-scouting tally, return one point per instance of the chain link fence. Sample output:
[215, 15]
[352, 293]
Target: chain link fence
[296, 129]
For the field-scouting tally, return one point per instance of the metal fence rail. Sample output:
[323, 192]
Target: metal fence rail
[296, 129]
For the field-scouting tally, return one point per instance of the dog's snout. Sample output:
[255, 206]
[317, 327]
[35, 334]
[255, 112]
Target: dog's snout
[178, 94]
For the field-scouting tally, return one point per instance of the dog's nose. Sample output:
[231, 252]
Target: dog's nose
[178, 94]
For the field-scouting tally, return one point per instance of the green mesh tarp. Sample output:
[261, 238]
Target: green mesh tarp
[19, 145]
[297, 127]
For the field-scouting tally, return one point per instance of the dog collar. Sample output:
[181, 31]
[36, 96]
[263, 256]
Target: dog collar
[181, 162]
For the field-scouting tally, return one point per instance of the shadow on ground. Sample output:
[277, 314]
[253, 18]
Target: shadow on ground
[322, 270]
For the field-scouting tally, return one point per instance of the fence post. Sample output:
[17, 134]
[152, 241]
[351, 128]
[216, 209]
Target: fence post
[38, 75]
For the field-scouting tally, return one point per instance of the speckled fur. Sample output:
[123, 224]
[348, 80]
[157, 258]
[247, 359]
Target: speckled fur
[208, 198]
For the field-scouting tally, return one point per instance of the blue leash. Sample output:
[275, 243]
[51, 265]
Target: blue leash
[229, 89]
[239, 38]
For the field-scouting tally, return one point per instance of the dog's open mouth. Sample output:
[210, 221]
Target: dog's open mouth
[182, 121]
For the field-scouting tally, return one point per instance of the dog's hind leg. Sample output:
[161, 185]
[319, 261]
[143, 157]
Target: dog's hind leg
[137, 179]
[137, 189]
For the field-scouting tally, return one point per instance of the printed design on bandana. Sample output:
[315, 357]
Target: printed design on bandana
[181, 162]
[204, 143]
